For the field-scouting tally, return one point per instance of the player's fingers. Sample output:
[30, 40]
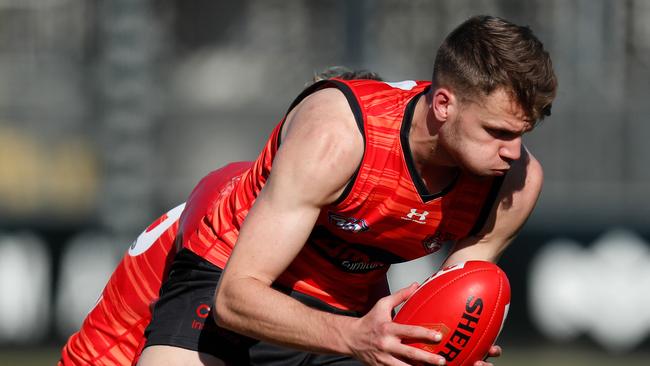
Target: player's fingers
[482, 363]
[393, 361]
[495, 351]
[417, 333]
[410, 354]
[400, 296]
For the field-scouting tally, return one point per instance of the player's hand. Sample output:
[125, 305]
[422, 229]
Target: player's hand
[495, 351]
[376, 340]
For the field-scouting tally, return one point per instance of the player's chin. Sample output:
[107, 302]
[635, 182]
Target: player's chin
[493, 171]
[498, 172]
[486, 172]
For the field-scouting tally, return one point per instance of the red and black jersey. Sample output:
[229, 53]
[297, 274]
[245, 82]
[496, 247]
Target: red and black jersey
[385, 215]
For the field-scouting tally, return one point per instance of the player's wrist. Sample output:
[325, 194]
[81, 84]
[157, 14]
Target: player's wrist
[344, 329]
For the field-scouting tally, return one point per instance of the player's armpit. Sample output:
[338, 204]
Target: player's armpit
[515, 202]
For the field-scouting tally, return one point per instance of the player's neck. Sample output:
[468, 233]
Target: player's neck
[423, 138]
[431, 160]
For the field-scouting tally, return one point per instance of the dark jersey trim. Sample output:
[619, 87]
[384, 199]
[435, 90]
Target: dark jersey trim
[358, 117]
[487, 205]
[408, 158]
[307, 91]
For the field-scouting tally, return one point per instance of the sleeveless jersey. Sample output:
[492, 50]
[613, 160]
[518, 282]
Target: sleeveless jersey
[385, 215]
[113, 331]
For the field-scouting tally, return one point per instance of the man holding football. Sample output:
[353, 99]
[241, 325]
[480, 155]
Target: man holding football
[358, 175]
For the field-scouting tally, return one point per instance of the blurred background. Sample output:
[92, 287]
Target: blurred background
[111, 111]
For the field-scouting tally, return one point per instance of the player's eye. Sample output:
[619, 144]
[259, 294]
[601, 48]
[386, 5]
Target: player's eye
[496, 133]
[501, 134]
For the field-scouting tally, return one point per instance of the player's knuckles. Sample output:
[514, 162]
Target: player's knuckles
[383, 343]
[385, 328]
[384, 303]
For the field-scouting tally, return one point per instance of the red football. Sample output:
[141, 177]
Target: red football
[468, 303]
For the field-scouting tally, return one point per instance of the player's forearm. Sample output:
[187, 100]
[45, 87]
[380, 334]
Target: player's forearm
[250, 307]
[480, 250]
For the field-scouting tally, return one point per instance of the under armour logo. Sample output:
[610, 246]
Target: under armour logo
[420, 216]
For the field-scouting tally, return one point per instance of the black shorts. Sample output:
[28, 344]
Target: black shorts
[182, 317]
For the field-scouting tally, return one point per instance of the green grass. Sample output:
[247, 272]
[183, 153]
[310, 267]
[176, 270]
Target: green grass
[567, 356]
[22, 356]
[513, 356]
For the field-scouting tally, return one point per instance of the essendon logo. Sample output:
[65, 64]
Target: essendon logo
[434, 242]
[349, 224]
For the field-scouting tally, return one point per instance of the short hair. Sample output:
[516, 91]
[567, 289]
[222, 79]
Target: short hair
[342, 72]
[486, 53]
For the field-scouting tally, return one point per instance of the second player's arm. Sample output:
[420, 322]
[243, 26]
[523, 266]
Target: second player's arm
[318, 155]
[514, 204]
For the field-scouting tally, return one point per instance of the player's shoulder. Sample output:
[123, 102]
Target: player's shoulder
[375, 88]
[326, 98]
[326, 115]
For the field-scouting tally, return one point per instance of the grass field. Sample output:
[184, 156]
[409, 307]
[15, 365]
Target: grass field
[513, 356]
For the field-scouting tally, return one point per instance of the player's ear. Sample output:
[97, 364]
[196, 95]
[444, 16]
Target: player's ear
[443, 102]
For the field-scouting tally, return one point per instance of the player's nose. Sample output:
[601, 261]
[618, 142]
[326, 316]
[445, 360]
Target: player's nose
[511, 150]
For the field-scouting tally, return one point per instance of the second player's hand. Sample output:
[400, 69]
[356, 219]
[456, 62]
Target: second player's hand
[376, 340]
[495, 351]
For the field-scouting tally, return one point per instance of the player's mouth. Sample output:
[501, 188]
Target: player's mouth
[500, 172]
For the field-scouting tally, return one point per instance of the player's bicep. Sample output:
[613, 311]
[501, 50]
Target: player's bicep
[513, 206]
[319, 153]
